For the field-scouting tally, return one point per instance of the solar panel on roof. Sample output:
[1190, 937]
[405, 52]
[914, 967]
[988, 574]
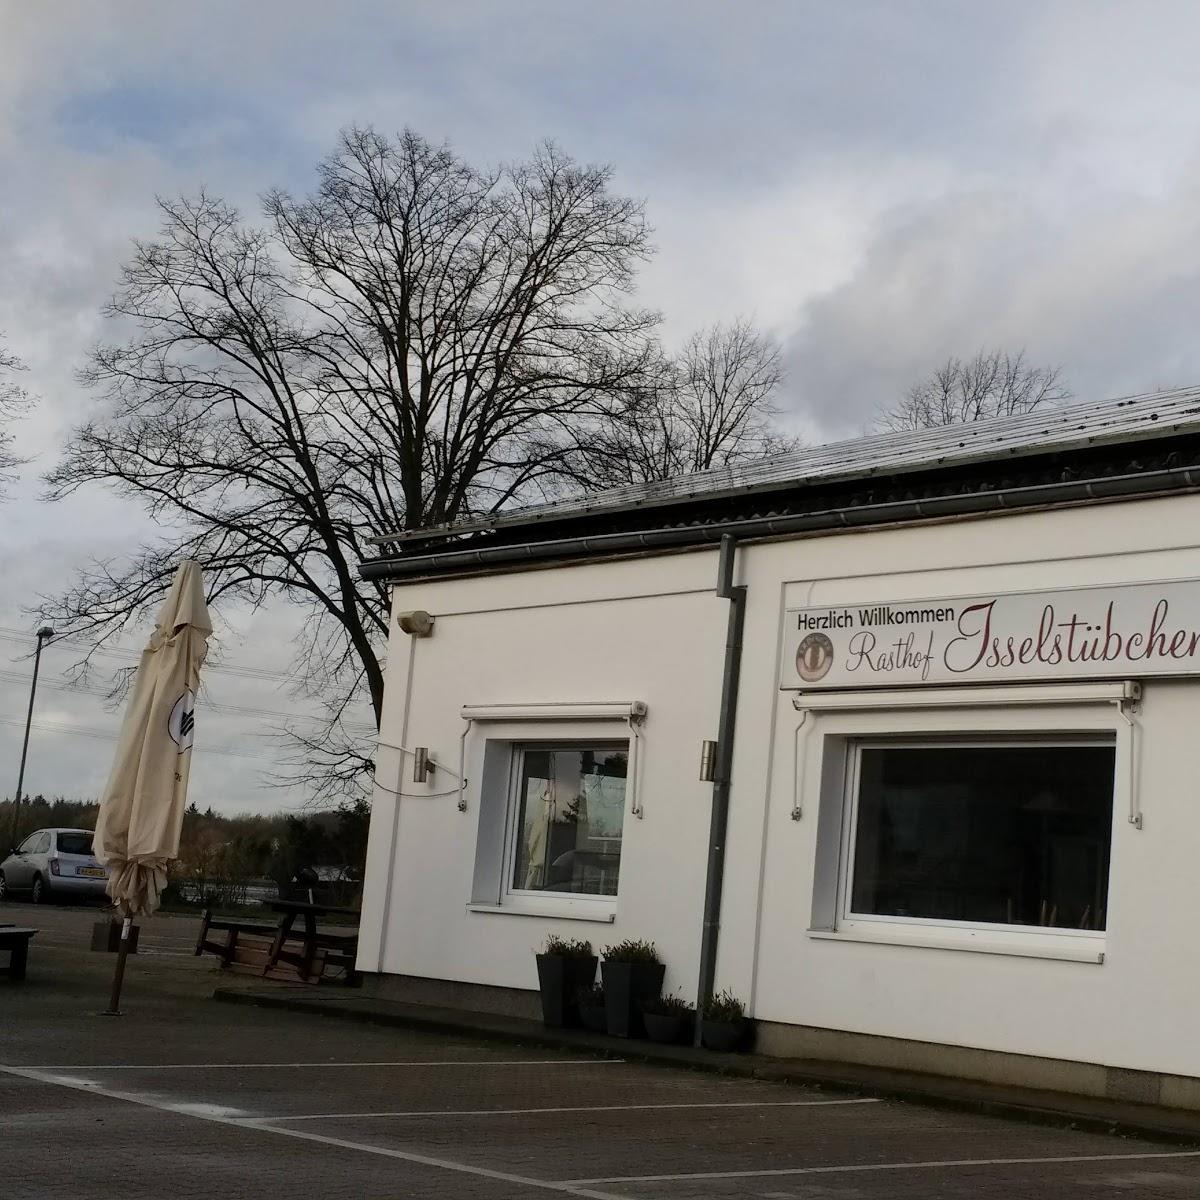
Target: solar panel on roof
[1043, 430]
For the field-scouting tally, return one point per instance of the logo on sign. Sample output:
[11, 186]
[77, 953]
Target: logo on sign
[181, 724]
[814, 657]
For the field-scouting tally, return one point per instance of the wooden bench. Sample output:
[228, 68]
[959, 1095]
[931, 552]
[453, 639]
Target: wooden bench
[317, 951]
[16, 941]
[318, 948]
[341, 950]
[233, 928]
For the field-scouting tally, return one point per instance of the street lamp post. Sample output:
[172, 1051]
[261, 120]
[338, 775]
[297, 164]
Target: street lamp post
[43, 636]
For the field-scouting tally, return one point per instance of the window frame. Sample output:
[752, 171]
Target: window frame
[850, 920]
[827, 723]
[517, 752]
[492, 732]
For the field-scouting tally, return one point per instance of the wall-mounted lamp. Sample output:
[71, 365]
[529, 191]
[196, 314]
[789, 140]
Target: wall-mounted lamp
[708, 762]
[418, 624]
[423, 765]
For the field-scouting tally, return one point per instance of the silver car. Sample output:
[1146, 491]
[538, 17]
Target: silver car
[54, 864]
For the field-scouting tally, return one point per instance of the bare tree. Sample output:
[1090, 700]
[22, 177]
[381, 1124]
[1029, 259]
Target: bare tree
[710, 406]
[992, 384]
[14, 401]
[417, 341]
[404, 347]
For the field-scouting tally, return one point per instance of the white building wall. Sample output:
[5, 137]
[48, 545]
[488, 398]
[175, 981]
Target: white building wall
[1135, 1010]
[652, 630]
[642, 630]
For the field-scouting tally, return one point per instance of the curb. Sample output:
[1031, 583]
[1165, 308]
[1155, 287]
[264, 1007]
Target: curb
[1057, 1109]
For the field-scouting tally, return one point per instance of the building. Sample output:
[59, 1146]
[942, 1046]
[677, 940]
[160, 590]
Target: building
[953, 681]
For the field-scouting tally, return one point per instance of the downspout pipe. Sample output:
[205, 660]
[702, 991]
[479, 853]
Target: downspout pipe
[719, 821]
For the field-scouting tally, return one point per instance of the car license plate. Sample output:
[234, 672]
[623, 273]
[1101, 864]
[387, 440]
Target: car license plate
[91, 872]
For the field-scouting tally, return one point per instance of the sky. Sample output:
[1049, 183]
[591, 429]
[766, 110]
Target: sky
[879, 185]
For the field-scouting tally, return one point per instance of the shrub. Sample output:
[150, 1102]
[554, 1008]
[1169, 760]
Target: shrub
[669, 1006]
[630, 951]
[590, 997]
[565, 948]
[724, 1006]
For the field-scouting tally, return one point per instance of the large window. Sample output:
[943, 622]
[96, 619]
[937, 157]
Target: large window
[999, 834]
[566, 815]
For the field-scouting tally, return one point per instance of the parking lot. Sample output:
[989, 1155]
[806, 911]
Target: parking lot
[184, 1097]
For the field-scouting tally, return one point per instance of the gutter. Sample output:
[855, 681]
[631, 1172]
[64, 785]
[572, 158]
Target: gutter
[1114, 487]
[730, 679]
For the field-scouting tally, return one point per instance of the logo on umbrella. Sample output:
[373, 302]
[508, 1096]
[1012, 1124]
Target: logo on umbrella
[181, 724]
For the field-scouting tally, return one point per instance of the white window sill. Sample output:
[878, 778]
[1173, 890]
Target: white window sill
[1063, 949]
[567, 911]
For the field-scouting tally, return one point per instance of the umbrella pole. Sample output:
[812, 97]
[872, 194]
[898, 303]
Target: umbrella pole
[114, 1004]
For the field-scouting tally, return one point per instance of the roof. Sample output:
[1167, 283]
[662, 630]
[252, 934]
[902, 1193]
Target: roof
[1038, 433]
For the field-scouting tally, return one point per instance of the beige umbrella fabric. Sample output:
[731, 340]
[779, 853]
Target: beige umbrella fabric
[141, 812]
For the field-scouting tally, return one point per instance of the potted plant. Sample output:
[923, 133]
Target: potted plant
[632, 974]
[724, 1025]
[590, 1003]
[564, 967]
[668, 1019]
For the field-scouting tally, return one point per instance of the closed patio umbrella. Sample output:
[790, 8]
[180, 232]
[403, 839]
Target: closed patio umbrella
[141, 811]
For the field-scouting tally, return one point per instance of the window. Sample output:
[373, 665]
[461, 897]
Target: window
[1003, 833]
[552, 783]
[75, 843]
[566, 818]
[35, 843]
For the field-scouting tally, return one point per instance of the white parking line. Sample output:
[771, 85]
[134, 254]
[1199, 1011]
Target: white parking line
[545, 1185]
[588, 1188]
[933, 1164]
[148, 948]
[216, 1118]
[591, 1108]
[416, 1062]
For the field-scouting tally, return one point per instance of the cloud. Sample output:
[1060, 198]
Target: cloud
[1109, 296]
[881, 185]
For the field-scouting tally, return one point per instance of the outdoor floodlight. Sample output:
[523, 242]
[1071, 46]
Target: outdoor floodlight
[416, 624]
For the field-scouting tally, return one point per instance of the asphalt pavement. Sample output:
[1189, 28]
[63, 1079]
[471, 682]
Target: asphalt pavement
[184, 1097]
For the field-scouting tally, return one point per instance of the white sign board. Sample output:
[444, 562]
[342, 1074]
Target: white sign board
[1086, 633]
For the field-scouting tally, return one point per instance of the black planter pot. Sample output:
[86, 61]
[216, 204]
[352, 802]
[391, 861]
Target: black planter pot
[725, 1036]
[560, 979]
[627, 986]
[593, 1017]
[669, 1028]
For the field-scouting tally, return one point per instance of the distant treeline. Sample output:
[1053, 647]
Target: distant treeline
[220, 857]
[40, 813]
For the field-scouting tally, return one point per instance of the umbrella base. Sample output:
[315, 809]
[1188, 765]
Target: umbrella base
[106, 937]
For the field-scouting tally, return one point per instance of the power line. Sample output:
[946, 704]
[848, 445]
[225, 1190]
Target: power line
[127, 654]
[103, 735]
[215, 706]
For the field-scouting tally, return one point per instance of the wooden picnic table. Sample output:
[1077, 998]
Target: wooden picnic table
[343, 944]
